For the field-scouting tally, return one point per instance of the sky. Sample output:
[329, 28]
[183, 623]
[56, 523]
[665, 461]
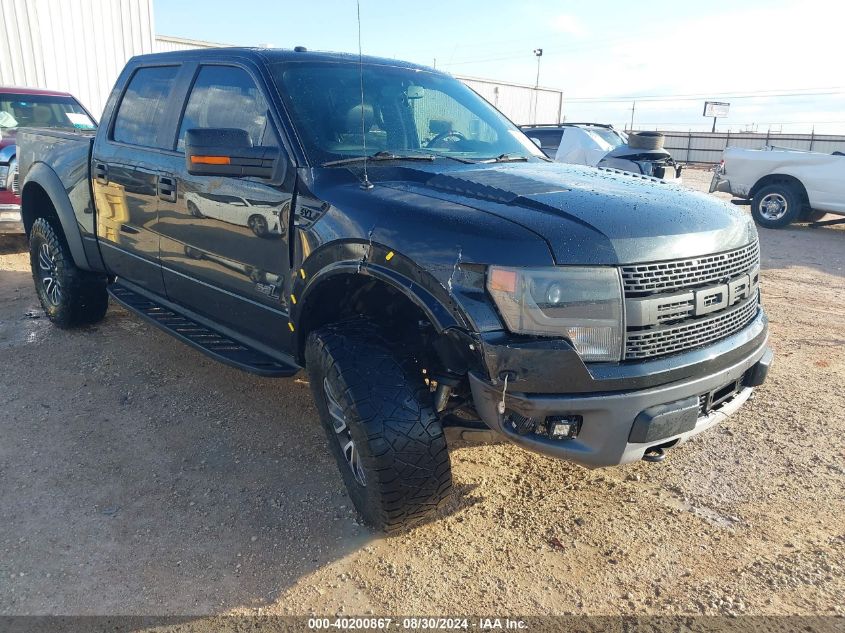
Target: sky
[778, 63]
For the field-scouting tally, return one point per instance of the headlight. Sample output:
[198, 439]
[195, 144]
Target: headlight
[4, 176]
[580, 303]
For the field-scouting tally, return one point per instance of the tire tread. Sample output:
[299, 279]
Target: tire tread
[410, 459]
[84, 297]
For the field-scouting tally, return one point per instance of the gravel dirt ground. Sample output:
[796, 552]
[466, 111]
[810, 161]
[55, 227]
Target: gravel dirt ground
[140, 477]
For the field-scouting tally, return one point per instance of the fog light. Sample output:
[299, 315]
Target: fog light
[564, 427]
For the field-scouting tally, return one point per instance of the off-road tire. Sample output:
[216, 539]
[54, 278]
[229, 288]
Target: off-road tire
[82, 298]
[778, 190]
[390, 418]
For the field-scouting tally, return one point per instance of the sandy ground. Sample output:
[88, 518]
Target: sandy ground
[140, 477]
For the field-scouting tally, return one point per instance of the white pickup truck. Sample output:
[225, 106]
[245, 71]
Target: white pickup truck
[783, 185]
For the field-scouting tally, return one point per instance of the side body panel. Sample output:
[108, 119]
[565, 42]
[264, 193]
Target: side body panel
[823, 175]
[127, 214]
[224, 240]
[215, 263]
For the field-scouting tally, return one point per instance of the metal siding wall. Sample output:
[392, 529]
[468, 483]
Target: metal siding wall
[77, 46]
[517, 102]
[707, 147]
[165, 44]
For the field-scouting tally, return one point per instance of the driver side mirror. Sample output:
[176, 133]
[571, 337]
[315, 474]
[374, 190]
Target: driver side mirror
[228, 152]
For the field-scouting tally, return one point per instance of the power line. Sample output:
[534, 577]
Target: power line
[694, 97]
[739, 123]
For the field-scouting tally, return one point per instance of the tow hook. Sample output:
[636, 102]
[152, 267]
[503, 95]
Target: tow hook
[654, 454]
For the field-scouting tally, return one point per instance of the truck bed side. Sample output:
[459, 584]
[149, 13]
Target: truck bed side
[55, 176]
[819, 174]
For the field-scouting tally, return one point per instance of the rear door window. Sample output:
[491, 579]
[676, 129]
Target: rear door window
[143, 107]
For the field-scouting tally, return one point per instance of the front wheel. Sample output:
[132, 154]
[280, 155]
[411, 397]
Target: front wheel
[776, 205]
[194, 210]
[381, 427]
[69, 296]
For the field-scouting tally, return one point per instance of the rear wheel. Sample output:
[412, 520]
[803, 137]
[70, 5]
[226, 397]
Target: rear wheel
[776, 205]
[69, 296]
[258, 224]
[381, 427]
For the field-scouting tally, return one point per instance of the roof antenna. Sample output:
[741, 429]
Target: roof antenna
[365, 184]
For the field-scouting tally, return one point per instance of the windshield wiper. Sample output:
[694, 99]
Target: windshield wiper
[506, 158]
[378, 156]
[465, 161]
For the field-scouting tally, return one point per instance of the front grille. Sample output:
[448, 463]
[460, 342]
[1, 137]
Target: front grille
[16, 188]
[677, 338]
[689, 273]
[674, 306]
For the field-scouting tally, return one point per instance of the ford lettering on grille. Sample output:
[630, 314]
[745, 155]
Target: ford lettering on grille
[716, 296]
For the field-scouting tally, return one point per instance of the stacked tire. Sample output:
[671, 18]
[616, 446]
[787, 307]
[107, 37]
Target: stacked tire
[646, 141]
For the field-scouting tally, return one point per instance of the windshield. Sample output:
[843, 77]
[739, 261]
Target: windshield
[611, 137]
[405, 111]
[22, 110]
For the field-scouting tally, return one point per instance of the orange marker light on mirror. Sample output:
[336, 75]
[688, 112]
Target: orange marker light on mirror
[504, 280]
[210, 160]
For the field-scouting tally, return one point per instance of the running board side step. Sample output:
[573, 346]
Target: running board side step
[218, 346]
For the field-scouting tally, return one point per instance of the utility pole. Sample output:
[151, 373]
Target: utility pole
[538, 53]
[633, 108]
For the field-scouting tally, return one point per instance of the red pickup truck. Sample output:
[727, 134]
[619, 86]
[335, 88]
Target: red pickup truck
[27, 107]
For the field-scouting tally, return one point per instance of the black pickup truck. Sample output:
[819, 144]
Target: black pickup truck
[380, 225]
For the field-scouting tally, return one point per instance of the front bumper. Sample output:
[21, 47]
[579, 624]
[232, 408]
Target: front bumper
[618, 428]
[720, 183]
[10, 219]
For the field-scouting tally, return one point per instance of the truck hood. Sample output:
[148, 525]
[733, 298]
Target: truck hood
[586, 215]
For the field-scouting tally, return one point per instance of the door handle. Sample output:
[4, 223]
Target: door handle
[125, 228]
[101, 173]
[167, 188]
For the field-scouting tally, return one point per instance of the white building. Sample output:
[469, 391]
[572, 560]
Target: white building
[80, 47]
[76, 46]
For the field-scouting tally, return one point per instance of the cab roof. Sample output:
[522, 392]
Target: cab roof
[32, 91]
[275, 55]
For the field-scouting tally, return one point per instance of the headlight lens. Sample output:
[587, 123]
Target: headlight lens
[581, 303]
